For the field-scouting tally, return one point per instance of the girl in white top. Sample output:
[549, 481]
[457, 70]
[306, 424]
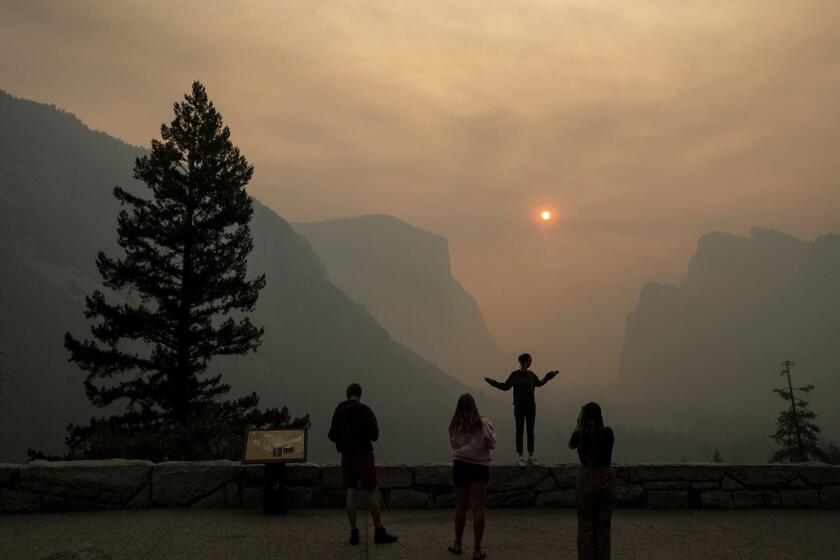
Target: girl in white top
[471, 437]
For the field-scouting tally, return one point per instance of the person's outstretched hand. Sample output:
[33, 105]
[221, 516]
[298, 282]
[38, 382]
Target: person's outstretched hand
[488, 380]
[551, 375]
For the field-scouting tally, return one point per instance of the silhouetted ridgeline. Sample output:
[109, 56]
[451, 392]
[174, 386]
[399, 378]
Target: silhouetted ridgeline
[402, 275]
[699, 360]
[715, 343]
[81, 485]
[57, 210]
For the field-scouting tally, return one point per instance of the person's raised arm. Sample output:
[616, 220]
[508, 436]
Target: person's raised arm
[574, 441]
[502, 386]
[548, 377]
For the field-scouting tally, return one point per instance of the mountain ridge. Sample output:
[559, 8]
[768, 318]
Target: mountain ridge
[719, 337]
[57, 210]
[403, 275]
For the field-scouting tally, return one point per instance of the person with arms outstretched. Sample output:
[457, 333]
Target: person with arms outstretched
[352, 429]
[524, 382]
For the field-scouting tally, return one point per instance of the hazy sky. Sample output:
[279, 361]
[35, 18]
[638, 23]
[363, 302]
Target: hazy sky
[642, 124]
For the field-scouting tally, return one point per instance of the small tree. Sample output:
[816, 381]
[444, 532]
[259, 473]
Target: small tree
[796, 432]
[186, 249]
[717, 458]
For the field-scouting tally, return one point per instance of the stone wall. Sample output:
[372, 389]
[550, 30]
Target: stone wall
[117, 483]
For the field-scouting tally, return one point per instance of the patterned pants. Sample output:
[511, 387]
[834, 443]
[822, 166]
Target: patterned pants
[596, 488]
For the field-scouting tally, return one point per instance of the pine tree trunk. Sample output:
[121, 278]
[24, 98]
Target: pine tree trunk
[800, 448]
[184, 369]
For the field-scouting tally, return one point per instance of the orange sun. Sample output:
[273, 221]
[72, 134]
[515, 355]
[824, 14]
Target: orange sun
[545, 215]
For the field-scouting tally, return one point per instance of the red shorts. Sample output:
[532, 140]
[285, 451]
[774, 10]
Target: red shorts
[358, 469]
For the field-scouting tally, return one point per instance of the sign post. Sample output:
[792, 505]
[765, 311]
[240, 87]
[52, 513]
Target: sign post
[275, 448]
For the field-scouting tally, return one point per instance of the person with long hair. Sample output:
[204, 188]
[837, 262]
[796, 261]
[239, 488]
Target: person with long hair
[471, 437]
[596, 486]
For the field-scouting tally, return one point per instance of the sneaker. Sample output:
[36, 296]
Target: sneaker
[381, 536]
[533, 461]
[521, 461]
[354, 536]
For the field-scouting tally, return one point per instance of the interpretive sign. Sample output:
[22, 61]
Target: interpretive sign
[276, 446]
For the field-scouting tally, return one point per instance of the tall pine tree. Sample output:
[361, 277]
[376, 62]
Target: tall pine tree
[185, 294]
[796, 433]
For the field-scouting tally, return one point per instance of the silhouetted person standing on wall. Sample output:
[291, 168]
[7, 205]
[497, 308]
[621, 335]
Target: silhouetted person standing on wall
[353, 428]
[524, 382]
[596, 485]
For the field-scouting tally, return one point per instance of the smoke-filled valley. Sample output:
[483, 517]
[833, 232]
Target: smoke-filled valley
[374, 300]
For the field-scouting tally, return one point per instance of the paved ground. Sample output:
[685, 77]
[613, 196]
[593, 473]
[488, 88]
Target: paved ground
[530, 534]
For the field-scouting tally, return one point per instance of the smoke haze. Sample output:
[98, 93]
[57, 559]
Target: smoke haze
[643, 125]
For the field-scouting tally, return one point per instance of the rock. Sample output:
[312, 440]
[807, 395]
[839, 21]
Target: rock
[253, 476]
[716, 499]
[730, 484]
[226, 496]
[669, 485]
[546, 485]
[830, 497]
[142, 499]
[387, 476]
[756, 498]
[824, 474]
[87, 553]
[681, 472]
[332, 497]
[12, 501]
[394, 476]
[512, 477]
[433, 475]
[629, 494]
[252, 497]
[667, 499]
[565, 476]
[302, 474]
[409, 499]
[8, 471]
[332, 476]
[557, 498]
[518, 498]
[763, 476]
[182, 483]
[626, 472]
[111, 483]
[800, 499]
[82, 485]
